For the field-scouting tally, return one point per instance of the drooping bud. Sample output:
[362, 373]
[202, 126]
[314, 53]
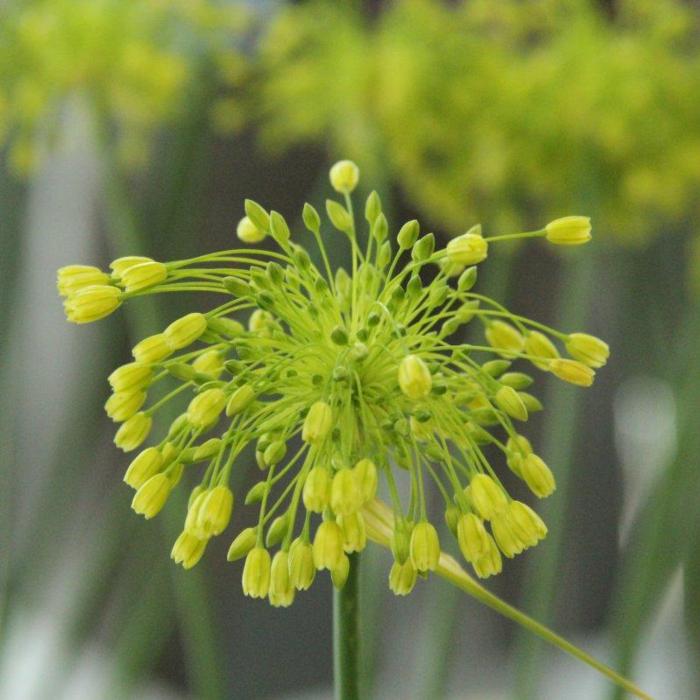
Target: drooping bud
[205, 408]
[281, 591]
[143, 275]
[541, 349]
[537, 475]
[339, 575]
[256, 573]
[328, 545]
[184, 331]
[344, 176]
[486, 496]
[366, 472]
[526, 523]
[318, 423]
[508, 539]
[151, 496]
[143, 467]
[133, 432]
[491, 563]
[572, 371]
[425, 547]
[187, 550]
[402, 577]
[242, 544]
[214, 514]
[588, 349]
[301, 565]
[415, 379]
[569, 230]
[210, 363]
[473, 540]
[121, 265]
[346, 494]
[317, 490]
[277, 530]
[354, 532]
[401, 539]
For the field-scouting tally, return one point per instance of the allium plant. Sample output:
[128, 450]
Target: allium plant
[345, 383]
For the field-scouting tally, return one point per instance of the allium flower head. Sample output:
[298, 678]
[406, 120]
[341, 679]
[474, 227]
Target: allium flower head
[344, 382]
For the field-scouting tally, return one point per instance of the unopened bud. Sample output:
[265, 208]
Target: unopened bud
[317, 490]
[486, 496]
[248, 232]
[318, 423]
[402, 577]
[344, 176]
[414, 377]
[184, 331]
[133, 432]
[144, 275]
[572, 371]
[425, 547]
[569, 230]
[301, 564]
[588, 349]
[151, 496]
[328, 545]
[256, 573]
[242, 544]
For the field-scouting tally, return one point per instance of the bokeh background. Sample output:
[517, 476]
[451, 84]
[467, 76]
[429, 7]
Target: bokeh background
[139, 127]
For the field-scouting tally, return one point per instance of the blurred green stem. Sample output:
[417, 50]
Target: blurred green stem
[563, 406]
[346, 638]
[202, 651]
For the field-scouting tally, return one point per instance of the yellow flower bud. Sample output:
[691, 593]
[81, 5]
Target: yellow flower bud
[214, 514]
[569, 230]
[366, 472]
[143, 275]
[281, 591]
[143, 467]
[504, 338]
[131, 376]
[414, 377]
[467, 249]
[187, 550]
[184, 331]
[344, 176]
[517, 448]
[133, 432]
[588, 349]
[425, 547]
[318, 423]
[92, 303]
[207, 449]
[256, 573]
[248, 232]
[402, 577]
[151, 496]
[354, 532]
[210, 363]
[317, 490]
[491, 563]
[240, 400]
[72, 278]
[328, 545]
[152, 349]
[259, 322]
[205, 408]
[572, 371]
[301, 565]
[339, 575]
[121, 265]
[537, 475]
[541, 347]
[526, 523]
[508, 539]
[242, 544]
[487, 496]
[346, 495]
[474, 541]
[124, 404]
[508, 400]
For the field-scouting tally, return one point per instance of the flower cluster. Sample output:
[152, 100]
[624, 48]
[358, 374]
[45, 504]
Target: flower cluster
[344, 382]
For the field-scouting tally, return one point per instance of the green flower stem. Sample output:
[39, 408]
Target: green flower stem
[563, 406]
[346, 637]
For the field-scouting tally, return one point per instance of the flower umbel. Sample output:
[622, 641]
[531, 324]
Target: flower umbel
[344, 382]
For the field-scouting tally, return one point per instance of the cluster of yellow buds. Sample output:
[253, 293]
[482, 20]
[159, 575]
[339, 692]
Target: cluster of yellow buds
[343, 382]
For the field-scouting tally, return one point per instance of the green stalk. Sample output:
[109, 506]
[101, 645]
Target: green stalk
[563, 407]
[346, 638]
